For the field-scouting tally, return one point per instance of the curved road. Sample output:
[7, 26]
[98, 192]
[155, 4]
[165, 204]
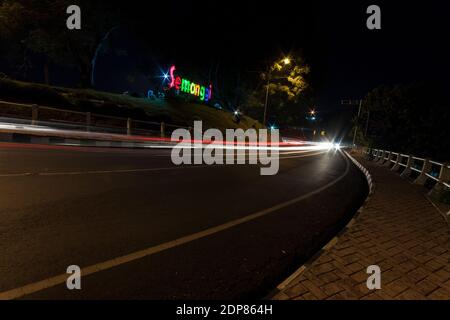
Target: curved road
[141, 228]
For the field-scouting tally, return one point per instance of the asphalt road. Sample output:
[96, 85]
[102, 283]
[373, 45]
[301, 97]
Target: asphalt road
[117, 212]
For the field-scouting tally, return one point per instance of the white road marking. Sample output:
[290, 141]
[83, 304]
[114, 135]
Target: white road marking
[118, 171]
[60, 279]
[68, 173]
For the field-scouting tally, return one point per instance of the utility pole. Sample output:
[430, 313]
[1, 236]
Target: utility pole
[367, 123]
[359, 104]
[357, 120]
[267, 98]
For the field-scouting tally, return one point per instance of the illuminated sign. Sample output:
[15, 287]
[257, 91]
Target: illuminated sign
[186, 86]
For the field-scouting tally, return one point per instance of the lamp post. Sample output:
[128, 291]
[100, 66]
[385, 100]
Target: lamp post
[286, 61]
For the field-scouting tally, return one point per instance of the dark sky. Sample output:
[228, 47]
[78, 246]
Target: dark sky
[347, 59]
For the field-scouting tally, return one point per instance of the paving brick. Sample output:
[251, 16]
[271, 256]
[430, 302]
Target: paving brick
[309, 275]
[424, 258]
[426, 287]
[351, 259]
[281, 296]
[355, 267]
[308, 296]
[399, 258]
[408, 266]
[440, 294]
[385, 265]
[323, 268]
[411, 294]
[296, 291]
[350, 293]
[395, 287]
[338, 297]
[331, 289]
[314, 289]
[401, 233]
[447, 284]
[372, 296]
[434, 279]
[362, 289]
[329, 277]
[442, 274]
[346, 252]
[390, 275]
[359, 277]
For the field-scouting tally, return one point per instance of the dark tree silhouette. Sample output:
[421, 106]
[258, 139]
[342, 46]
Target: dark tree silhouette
[39, 26]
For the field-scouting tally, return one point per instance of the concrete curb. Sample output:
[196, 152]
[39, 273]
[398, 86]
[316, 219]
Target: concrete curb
[288, 281]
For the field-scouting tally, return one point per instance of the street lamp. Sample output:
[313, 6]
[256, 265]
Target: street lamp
[286, 62]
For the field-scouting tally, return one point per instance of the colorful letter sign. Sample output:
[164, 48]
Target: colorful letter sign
[186, 86]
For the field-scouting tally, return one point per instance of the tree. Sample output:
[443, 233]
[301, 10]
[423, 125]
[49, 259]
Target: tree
[40, 27]
[409, 119]
[287, 80]
[288, 95]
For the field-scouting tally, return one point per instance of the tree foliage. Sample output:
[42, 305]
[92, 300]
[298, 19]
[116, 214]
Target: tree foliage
[410, 119]
[288, 95]
[39, 26]
[287, 81]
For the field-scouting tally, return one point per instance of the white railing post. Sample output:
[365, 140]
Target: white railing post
[381, 156]
[444, 174]
[387, 162]
[397, 163]
[407, 170]
[426, 167]
[444, 180]
[377, 155]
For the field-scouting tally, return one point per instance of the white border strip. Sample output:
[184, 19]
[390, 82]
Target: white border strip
[364, 171]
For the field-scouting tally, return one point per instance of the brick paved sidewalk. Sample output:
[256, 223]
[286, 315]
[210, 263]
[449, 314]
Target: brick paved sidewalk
[400, 231]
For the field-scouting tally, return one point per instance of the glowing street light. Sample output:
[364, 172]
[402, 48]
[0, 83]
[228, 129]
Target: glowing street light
[286, 61]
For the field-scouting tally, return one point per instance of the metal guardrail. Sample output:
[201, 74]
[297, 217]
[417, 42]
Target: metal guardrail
[90, 120]
[426, 168]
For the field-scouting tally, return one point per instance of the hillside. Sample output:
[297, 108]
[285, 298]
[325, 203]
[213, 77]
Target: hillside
[171, 111]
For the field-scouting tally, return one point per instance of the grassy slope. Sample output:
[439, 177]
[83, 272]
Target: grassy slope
[173, 111]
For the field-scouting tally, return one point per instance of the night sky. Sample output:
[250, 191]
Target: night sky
[347, 60]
